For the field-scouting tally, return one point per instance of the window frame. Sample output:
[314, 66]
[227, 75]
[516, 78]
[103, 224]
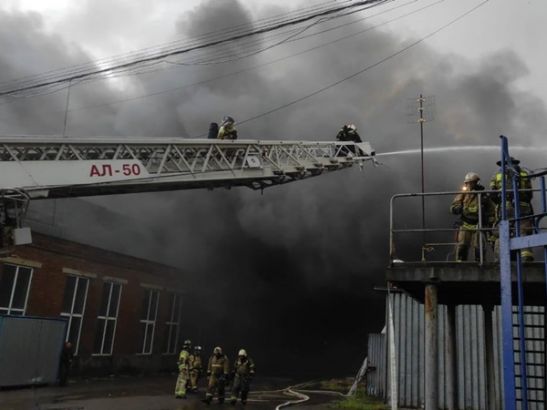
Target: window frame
[107, 318]
[146, 322]
[71, 314]
[172, 323]
[9, 308]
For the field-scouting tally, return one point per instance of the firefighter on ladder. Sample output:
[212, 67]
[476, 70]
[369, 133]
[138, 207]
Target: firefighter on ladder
[466, 204]
[525, 202]
[227, 129]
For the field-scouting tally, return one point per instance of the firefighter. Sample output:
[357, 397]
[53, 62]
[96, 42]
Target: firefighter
[227, 129]
[244, 370]
[349, 133]
[525, 202]
[466, 205]
[217, 370]
[196, 366]
[183, 365]
[67, 356]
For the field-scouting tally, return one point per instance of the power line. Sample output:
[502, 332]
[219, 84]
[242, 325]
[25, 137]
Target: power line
[274, 61]
[162, 55]
[365, 69]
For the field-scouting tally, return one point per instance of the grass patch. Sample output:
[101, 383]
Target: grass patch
[360, 401]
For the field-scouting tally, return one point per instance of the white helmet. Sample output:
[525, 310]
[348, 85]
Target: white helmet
[471, 177]
[352, 127]
[217, 350]
[242, 352]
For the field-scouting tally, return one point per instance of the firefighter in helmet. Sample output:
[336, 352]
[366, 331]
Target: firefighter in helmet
[218, 370]
[196, 366]
[227, 130]
[244, 370]
[466, 205]
[525, 201]
[184, 370]
[348, 133]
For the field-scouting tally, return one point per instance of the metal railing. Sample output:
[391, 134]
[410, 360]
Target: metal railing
[486, 230]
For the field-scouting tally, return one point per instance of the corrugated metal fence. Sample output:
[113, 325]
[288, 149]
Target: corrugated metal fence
[408, 316]
[30, 350]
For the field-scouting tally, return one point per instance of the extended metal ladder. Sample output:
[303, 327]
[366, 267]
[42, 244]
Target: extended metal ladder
[524, 349]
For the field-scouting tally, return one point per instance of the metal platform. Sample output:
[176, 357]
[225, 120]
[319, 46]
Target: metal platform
[460, 283]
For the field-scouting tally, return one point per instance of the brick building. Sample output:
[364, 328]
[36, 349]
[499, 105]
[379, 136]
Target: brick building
[123, 313]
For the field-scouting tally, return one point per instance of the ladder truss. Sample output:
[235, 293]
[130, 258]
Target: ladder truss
[42, 167]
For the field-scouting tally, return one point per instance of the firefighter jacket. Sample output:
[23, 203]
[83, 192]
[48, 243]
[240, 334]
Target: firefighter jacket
[525, 198]
[347, 134]
[218, 365]
[183, 362]
[195, 362]
[467, 205]
[244, 366]
[227, 132]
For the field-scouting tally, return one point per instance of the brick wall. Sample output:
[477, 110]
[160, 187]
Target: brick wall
[51, 258]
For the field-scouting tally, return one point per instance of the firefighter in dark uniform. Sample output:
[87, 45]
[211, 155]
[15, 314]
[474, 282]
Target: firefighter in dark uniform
[525, 202]
[218, 370]
[244, 370]
[196, 367]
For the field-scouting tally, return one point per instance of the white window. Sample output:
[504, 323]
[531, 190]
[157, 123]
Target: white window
[14, 289]
[172, 326]
[148, 320]
[74, 306]
[108, 315]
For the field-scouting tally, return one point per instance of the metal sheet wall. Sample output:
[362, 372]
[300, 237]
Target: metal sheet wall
[471, 365]
[30, 350]
[376, 377]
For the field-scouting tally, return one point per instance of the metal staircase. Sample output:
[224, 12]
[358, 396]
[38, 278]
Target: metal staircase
[523, 327]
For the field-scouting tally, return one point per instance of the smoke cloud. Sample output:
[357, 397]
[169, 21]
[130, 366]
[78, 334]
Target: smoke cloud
[290, 273]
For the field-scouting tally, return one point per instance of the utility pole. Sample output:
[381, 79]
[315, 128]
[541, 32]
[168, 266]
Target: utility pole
[421, 121]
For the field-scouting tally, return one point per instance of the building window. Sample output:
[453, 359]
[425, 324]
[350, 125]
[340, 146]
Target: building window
[74, 307]
[14, 289]
[148, 320]
[108, 315]
[172, 326]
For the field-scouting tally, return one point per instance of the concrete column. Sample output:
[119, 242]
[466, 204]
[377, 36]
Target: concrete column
[431, 349]
[451, 362]
[489, 356]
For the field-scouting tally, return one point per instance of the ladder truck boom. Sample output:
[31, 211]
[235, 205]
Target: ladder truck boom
[40, 167]
[37, 167]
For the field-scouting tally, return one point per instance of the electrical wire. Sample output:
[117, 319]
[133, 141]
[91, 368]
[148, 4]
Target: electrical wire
[163, 54]
[364, 69]
[251, 68]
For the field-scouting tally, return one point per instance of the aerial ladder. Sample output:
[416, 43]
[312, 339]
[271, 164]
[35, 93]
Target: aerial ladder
[37, 167]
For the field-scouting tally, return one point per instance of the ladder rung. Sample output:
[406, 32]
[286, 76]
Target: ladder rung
[528, 376]
[530, 388]
[530, 326]
[531, 339]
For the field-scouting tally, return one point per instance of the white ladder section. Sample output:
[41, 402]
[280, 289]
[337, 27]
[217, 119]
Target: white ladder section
[54, 167]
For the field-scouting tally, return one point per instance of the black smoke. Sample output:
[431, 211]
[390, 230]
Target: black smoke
[289, 274]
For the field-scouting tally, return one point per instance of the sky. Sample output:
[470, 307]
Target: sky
[291, 272]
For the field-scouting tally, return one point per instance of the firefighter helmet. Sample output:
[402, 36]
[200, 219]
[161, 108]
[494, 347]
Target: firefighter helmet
[511, 161]
[228, 120]
[187, 342]
[352, 127]
[242, 352]
[471, 177]
[197, 348]
[217, 350]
